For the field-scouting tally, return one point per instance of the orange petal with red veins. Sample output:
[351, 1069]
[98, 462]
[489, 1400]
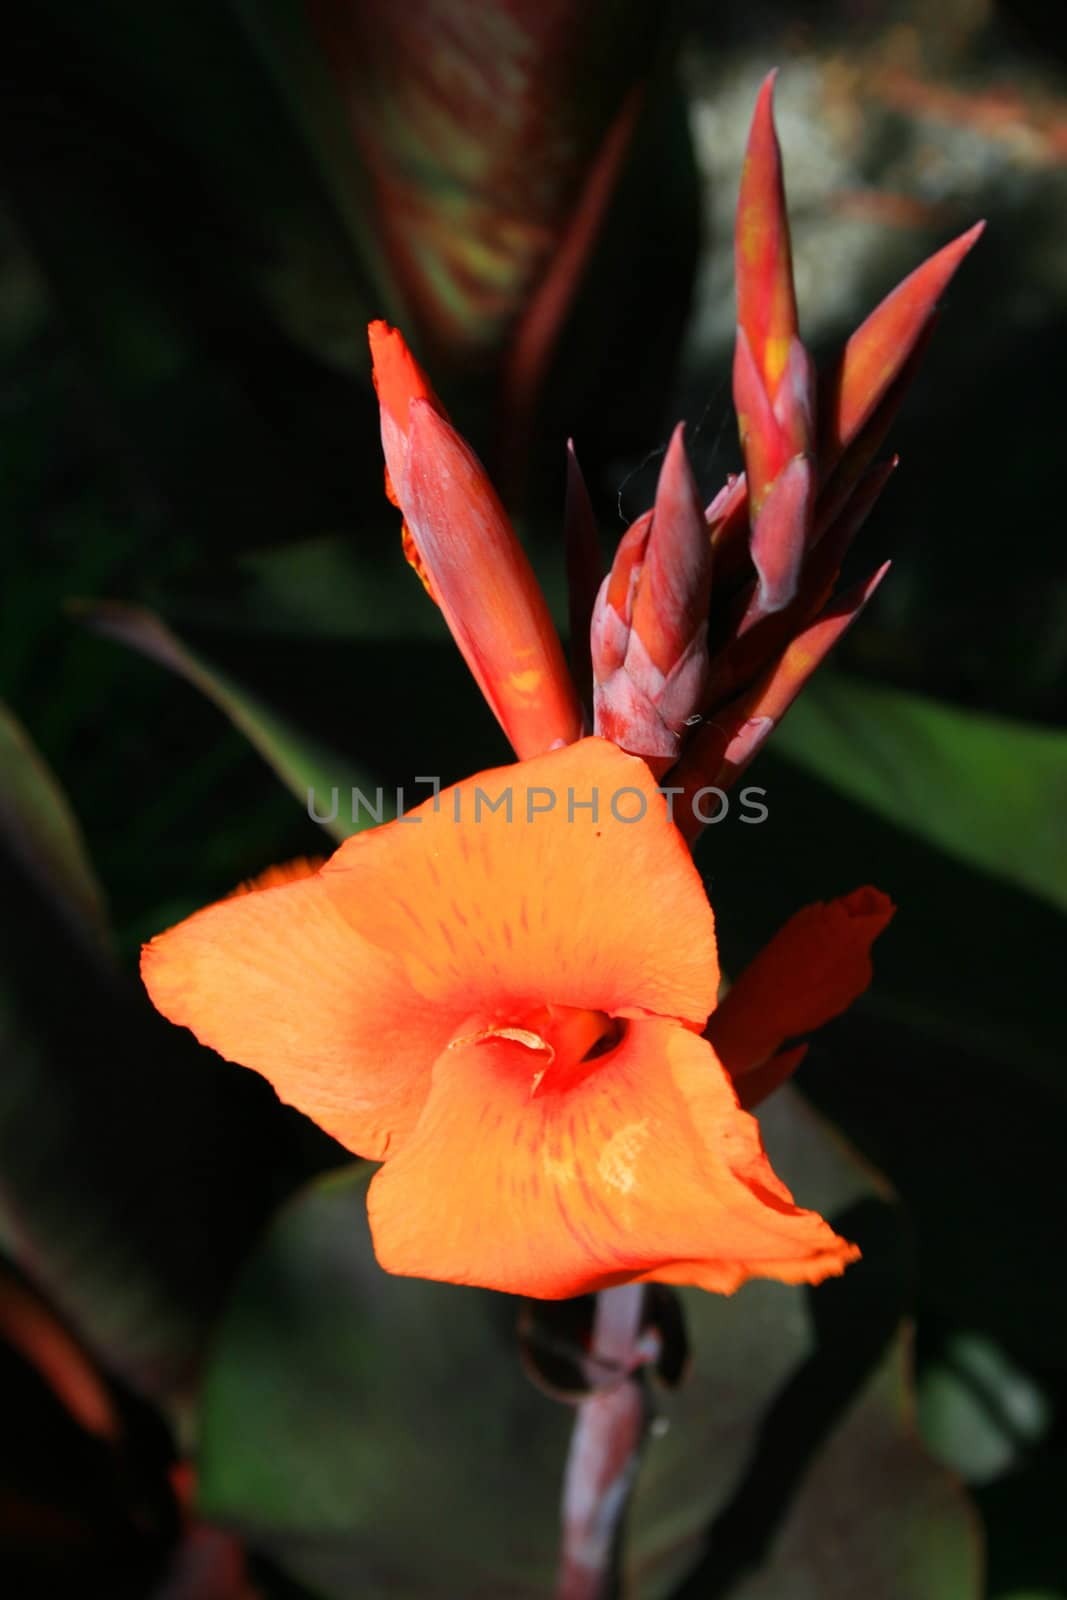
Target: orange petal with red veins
[285, 872]
[343, 986]
[811, 971]
[282, 980]
[645, 1167]
[530, 898]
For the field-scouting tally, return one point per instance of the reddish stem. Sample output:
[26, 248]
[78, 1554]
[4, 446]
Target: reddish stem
[605, 1450]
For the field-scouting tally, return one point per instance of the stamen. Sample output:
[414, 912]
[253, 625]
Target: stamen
[523, 1036]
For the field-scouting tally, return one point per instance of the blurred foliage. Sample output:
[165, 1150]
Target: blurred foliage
[378, 1436]
[189, 450]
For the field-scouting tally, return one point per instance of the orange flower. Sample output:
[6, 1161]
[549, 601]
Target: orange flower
[502, 997]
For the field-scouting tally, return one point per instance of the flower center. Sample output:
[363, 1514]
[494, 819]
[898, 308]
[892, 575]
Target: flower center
[561, 1040]
[572, 1035]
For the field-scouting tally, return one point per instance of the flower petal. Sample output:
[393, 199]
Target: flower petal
[284, 872]
[643, 1168]
[811, 971]
[509, 892]
[282, 980]
[343, 985]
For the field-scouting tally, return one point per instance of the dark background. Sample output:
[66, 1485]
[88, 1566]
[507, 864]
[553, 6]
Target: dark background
[187, 425]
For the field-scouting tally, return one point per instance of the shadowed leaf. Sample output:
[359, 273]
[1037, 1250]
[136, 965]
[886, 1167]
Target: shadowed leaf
[377, 1434]
[133, 1168]
[988, 791]
[41, 828]
[797, 1402]
[313, 773]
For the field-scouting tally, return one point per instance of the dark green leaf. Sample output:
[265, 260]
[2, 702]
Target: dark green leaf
[790, 1465]
[134, 1168]
[313, 773]
[989, 791]
[38, 823]
[377, 1435]
[980, 1413]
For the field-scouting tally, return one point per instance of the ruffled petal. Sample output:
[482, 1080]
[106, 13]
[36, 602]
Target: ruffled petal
[343, 985]
[811, 971]
[638, 1166]
[284, 872]
[508, 892]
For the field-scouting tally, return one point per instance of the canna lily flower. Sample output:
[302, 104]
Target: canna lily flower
[505, 999]
[508, 998]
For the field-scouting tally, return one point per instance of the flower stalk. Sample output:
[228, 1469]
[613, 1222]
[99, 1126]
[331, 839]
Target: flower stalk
[515, 1002]
[609, 1432]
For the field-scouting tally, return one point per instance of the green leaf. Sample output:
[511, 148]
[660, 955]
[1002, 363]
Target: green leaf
[281, 34]
[331, 587]
[192, 254]
[1023, 1513]
[376, 1434]
[320, 779]
[38, 822]
[797, 1419]
[135, 1168]
[948, 1067]
[980, 1413]
[871, 1517]
[989, 791]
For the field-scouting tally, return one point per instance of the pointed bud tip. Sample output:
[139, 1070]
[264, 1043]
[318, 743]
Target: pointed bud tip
[951, 255]
[765, 97]
[843, 611]
[398, 378]
[766, 297]
[762, 135]
[876, 577]
[676, 453]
